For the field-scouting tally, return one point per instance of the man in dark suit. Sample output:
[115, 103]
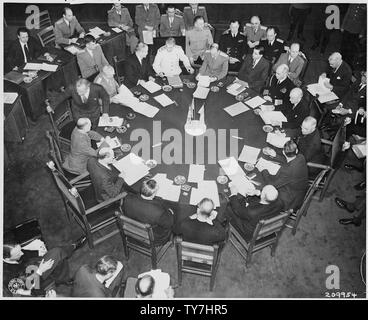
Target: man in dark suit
[244, 213]
[254, 70]
[202, 227]
[309, 142]
[106, 182]
[273, 47]
[171, 25]
[137, 67]
[145, 208]
[292, 178]
[86, 98]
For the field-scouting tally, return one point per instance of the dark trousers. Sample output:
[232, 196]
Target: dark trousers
[298, 17]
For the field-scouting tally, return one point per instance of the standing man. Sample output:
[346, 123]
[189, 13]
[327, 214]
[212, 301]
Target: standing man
[119, 16]
[147, 17]
[171, 25]
[191, 11]
[197, 41]
[254, 32]
[215, 64]
[233, 43]
[298, 15]
[67, 29]
[273, 47]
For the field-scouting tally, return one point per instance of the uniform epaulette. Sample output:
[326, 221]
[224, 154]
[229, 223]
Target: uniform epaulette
[188, 7]
[248, 24]
[60, 21]
[178, 15]
[242, 33]
[200, 7]
[224, 54]
[226, 31]
[263, 28]
[279, 40]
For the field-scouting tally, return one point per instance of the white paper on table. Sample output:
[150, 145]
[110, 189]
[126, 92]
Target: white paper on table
[110, 122]
[162, 283]
[73, 49]
[168, 191]
[33, 66]
[49, 67]
[204, 81]
[119, 267]
[269, 116]
[326, 97]
[96, 32]
[146, 109]
[147, 36]
[249, 154]
[206, 189]
[132, 168]
[271, 167]
[160, 177]
[113, 143]
[201, 92]
[117, 30]
[231, 167]
[360, 149]
[163, 100]
[35, 245]
[151, 86]
[236, 109]
[242, 184]
[235, 88]
[255, 102]
[196, 172]
[277, 140]
[10, 97]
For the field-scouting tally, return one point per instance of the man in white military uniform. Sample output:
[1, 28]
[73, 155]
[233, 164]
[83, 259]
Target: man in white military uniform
[168, 57]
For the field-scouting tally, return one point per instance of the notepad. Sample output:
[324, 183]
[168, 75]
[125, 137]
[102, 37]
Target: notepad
[201, 93]
[41, 66]
[235, 88]
[96, 32]
[249, 154]
[110, 122]
[147, 36]
[255, 102]
[231, 167]
[10, 97]
[277, 140]
[132, 168]
[146, 109]
[204, 81]
[206, 189]
[117, 30]
[175, 81]
[242, 184]
[73, 49]
[14, 77]
[236, 109]
[151, 86]
[271, 167]
[196, 172]
[163, 100]
[49, 67]
[270, 116]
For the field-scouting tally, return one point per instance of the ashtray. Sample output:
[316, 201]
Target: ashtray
[167, 88]
[215, 89]
[185, 81]
[27, 79]
[248, 166]
[267, 98]
[151, 163]
[220, 84]
[186, 187]
[137, 93]
[257, 111]
[122, 129]
[191, 85]
[180, 180]
[267, 128]
[269, 152]
[130, 116]
[126, 147]
[143, 97]
[222, 179]
[109, 129]
[240, 97]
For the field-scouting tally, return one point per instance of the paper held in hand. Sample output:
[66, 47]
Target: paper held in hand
[147, 36]
[325, 94]
[277, 140]
[236, 109]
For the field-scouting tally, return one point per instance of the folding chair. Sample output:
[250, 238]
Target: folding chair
[44, 19]
[47, 36]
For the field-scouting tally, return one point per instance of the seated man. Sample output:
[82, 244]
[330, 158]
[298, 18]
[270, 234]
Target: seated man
[92, 59]
[202, 227]
[197, 41]
[86, 99]
[215, 64]
[67, 28]
[294, 61]
[292, 178]
[273, 47]
[191, 11]
[167, 60]
[233, 43]
[105, 180]
[339, 73]
[137, 67]
[145, 208]
[34, 264]
[154, 284]
[280, 86]
[254, 70]
[245, 212]
[147, 18]
[119, 16]
[101, 281]
[106, 79]
[80, 147]
[171, 25]
[254, 32]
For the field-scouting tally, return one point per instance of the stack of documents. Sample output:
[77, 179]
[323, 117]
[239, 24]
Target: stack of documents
[204, 81]
[325, 94]
[10, 97]
[277, 140]
[163, 100]
[117, 30]
[151, 86]
[15, 77]
[272, 167]
[236, 109]
[243, 184]
[270, 116]
[249, 154]
[132, 168]
[41, 66]
[96, 32]
[255, 102]
[196, 172]
[206, 189]
[235, 88]
[231, 167]
[167, 189]
[147, 36]
[110, 122]
[175, 81]
[201, 92]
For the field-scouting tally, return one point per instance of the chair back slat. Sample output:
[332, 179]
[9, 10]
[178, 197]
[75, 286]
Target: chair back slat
[266, 227]
[136, 230]
[46, 36]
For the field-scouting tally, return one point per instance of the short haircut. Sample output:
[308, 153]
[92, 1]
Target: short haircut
[149, 187]
[257, 17]
[170, 6]
[202, 202]
[82, 122]
[297, 91]
[271, 28]
[310, 120]
[82, 82]
[140, 46]
[284, 67]
[290, 149]
[234, 21]
[7, 248]
[106, 264]
[271, 193]
[170, 40]
[295, 44]
[260, 49]
[65, 9]
[145, 285]
[22, 29]
[89, 38]
[196, 18]
[214, 45]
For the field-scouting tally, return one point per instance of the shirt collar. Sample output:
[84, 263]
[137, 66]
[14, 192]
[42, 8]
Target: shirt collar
[338, 67]
[208, 219]
[22, 44]
[66, 21]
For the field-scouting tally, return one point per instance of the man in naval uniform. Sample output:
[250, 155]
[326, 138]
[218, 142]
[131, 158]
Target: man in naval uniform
[273, 47]
[147, 17]
[254, 32]
[171, 25]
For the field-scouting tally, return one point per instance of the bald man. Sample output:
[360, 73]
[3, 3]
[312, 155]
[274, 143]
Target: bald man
[106, 79]
[245, 212]
[339, 73]
[154, 284]
[254, 32]
[80, 147]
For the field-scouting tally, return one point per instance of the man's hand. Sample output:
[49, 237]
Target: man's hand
[233, 60]
[362, 112]
[23, 292]
[327, 84]
[213, 79]
[49, 109]
[190, 70]
[170, 292]
[161, 74]
[81, 35]
[323, 75]
[50, 293]
[347, 121]
[48, 57]
[105, 116]
[73, 40]
[197, 77]
[44, 266]
[141, 82]
[150, 78]
[341, 111]
[254, 192]
[276, 123]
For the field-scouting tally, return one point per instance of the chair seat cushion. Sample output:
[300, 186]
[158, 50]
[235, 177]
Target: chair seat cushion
[66, 131]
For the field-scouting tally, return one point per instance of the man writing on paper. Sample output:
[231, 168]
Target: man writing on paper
[215, 64]
[146, 208]
[167, 60]
[244, 213]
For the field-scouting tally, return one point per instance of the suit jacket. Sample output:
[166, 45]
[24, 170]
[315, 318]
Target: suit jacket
[15, 56]
[295, 115]
[340, 79]
[189, 16]
[272, 52]
[310, 147]
[175, 30]
[295, 67]
[153, 212]
[134, 71]
[252, 36]
[280, 91]
[291, 181]
[149, 18]
[245, 213]
[106, 183]
[257, 76]
[215, 67]
[115, 20]
[80, 151]
[63, 33]
[193, 230]
[89, 65]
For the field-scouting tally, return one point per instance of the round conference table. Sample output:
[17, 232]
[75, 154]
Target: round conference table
[174, 116]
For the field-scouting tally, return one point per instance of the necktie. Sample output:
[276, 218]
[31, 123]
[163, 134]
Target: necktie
[171, 21]
[84, 99]
[26, 52]
[146, 7]
[254, 63]
[70, 29]
[194, 12]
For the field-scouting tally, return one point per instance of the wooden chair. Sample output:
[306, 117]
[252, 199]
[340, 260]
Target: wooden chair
[44, 18]
[197, 259]
[266, 234]
[294, 217]
[139, 237]
[24, 233]
[47, 36]
[119, 66]
[97, 220]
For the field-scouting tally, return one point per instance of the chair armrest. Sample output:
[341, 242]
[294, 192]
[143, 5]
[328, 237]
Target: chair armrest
[317, 165]
[106, 203]
[325, 141]
[79, 178]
